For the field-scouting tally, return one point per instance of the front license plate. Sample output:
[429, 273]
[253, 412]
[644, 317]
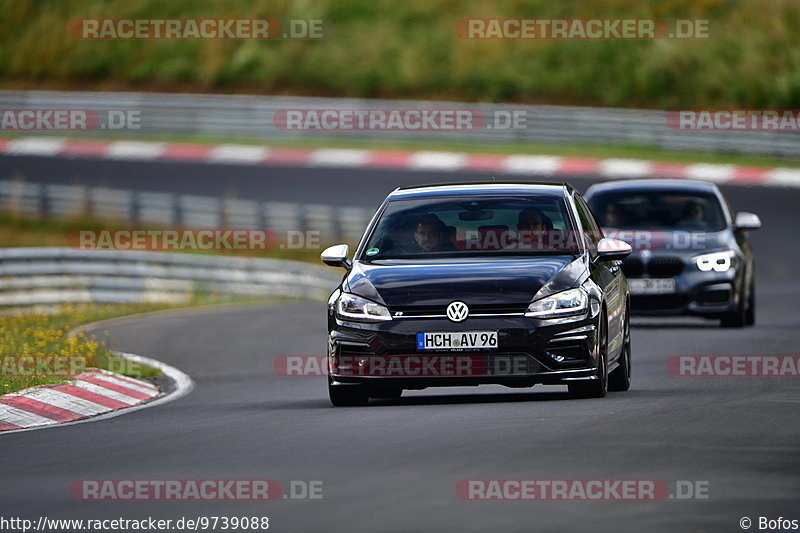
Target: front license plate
[457, 340]
[651, 286]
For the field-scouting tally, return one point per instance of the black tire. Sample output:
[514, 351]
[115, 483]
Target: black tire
[596, 388]
[619, 379]
[348, 395]
[386, 393]
[738, 317]
[750, 316]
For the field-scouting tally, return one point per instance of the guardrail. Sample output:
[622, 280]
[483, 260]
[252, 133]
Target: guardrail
[55, 276]
[189, 211]
[254, 117]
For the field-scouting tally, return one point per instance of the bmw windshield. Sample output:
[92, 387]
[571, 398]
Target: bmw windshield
[669, 210]
[467, 227]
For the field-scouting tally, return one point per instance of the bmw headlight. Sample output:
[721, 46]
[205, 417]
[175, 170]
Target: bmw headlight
[718, 262]
[352, 307]
[564, 303]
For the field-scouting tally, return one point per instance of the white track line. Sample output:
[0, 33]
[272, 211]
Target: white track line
[437, 161]
[35, 146]
[238, 153]
[135, 150]
[542, 165]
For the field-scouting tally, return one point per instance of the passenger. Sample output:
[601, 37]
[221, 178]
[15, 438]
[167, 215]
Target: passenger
[531, 219]
[615, 217]
[531, 229]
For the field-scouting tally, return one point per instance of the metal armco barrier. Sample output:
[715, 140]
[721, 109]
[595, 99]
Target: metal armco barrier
[254, 117]
[54, 276]
[184, 210]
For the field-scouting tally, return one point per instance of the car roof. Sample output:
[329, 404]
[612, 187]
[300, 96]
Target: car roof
[479, 189]
[653, 185]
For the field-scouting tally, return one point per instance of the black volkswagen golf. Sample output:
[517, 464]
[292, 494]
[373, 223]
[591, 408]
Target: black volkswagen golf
[469, 284]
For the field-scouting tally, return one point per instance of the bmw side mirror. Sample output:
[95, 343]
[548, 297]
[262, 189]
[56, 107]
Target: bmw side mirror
[745, 220]
[336, 256]
[613, 249]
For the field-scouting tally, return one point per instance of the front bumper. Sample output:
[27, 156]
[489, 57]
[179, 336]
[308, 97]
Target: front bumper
[529, 351]
[706, 294]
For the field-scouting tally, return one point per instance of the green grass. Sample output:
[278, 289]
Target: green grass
[39, 335]
[385, 48]
[19, 231]
[60, 334]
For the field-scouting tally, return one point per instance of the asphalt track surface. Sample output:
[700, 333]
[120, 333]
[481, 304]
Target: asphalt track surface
[393, 466]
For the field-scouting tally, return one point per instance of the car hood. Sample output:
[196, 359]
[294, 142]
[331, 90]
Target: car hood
[675, 242]
[399, 283]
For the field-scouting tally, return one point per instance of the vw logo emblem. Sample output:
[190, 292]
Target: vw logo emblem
[457, 311]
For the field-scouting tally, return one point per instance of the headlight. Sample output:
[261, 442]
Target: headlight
[719, 261]
[564, 303]
[352, 307]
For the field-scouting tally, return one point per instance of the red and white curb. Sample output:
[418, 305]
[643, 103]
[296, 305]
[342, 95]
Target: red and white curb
[533, 165]
[93, 395]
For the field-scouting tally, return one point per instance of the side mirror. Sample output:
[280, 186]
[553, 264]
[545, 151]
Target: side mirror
[336, 256]
[745, 220]
[613, 249]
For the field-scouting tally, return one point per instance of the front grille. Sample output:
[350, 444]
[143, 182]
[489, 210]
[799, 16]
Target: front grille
[441, 310]
[656, 267]
[633, 267]
[665, 267]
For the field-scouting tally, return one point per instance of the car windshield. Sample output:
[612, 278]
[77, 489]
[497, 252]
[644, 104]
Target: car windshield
[477, 226]
[675, 210]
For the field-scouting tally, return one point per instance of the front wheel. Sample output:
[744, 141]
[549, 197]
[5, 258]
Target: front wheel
[738, 317]
[598, 387]
[348, 395]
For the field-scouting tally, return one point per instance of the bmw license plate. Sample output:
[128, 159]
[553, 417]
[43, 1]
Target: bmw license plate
[457, 340]
[651, 286]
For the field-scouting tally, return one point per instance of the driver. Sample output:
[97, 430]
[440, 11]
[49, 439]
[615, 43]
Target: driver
[693, 214]
[429, 234]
